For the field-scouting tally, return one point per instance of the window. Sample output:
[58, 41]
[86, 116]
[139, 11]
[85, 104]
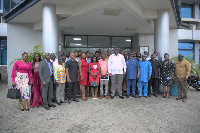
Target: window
[121, 42]
[94, 41]
[186, 49]
[75, 41]
[3, 52]
[186, 10]
[1, 4]
[98, 41]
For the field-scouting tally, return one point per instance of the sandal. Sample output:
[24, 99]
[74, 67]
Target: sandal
[84, 99]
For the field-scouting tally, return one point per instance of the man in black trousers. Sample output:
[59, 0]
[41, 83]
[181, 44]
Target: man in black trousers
[46, 77]
[72, 77]
[155, 76]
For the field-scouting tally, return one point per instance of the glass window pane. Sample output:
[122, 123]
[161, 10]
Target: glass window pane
[3, 56]
[186, 53]
[98, 41]
[185, 45]
[121, 42]
[3, 42]
[75, 41]
[186, 10]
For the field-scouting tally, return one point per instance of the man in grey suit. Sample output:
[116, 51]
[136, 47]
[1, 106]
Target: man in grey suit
[46, 77]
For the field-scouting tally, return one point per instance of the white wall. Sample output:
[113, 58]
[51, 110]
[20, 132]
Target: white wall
[20, 38]
[147, 40]
[3, 29]
[173, 42]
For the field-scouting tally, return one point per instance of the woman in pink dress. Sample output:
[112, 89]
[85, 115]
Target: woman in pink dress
[94, 69]
[36, 91]
[83, 74]
[22, 79]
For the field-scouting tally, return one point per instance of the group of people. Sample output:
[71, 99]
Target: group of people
[56, 79]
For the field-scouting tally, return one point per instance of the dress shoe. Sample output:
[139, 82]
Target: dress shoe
[47, 107]
[156, 95]
[62, 102]
[133, 96]
[22, 109]
[53, 100]
[178, 98]
[106, 96]
[111, 97]
[121, 97]
[52, 105]
[76, 100]
[146, 96]
[127, 96]
[139, 96]
[59, 103]
[27, 109]
[69, 101]
[184, 100]
[101, 97]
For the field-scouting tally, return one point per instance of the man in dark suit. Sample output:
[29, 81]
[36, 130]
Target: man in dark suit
[46, 77]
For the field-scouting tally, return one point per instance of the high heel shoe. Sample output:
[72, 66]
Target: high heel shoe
[22, 109]
[27, 109]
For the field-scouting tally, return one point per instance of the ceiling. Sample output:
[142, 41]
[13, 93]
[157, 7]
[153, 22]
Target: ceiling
[86, 17]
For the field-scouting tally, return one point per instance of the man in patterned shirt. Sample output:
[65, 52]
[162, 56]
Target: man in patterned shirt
[60, 78]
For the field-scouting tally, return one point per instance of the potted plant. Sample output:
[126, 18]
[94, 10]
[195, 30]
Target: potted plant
[36, 49]
[194, 70]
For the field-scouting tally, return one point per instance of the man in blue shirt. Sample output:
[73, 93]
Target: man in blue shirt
[132, 73]
[145, 75]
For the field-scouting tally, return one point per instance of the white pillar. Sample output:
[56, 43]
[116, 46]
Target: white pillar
[50, 29]
[161, 33]
[196, 52]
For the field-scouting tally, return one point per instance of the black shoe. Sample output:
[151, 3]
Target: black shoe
[62, 102]
[76, 100]
[146, 96]
[52, 105]
[47, 107]
[59, 103]
[54, 100]
[127, 96]
[27, 109]
[139, 96]
[121, 97]
[69, 101]
[22, 109]
[133, 96]
[111, 97]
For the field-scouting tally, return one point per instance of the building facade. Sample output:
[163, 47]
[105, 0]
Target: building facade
[189, 32]
[88, 25]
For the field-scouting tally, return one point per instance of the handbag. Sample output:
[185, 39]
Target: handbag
[94, 83]
[14, 93]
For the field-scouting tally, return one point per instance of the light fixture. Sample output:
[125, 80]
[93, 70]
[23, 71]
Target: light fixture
[77, 38]
[112, 12]
[128, 40]
[78, 44]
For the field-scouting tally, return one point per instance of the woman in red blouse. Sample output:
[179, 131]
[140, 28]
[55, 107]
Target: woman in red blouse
[22, 79]
[94, 69]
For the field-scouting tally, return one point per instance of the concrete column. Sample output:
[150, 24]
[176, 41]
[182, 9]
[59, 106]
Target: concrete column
[196, 52]
[196, 11]
[161, 33]
[50, 29]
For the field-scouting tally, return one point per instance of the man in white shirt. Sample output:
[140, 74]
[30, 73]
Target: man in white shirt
[116, 69]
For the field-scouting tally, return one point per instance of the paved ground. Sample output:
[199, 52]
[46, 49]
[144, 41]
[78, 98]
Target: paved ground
[104, 115]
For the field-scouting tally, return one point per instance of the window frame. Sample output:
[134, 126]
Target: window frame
[3, 38]
[192, 10]
[111, 45]
[188, 49]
